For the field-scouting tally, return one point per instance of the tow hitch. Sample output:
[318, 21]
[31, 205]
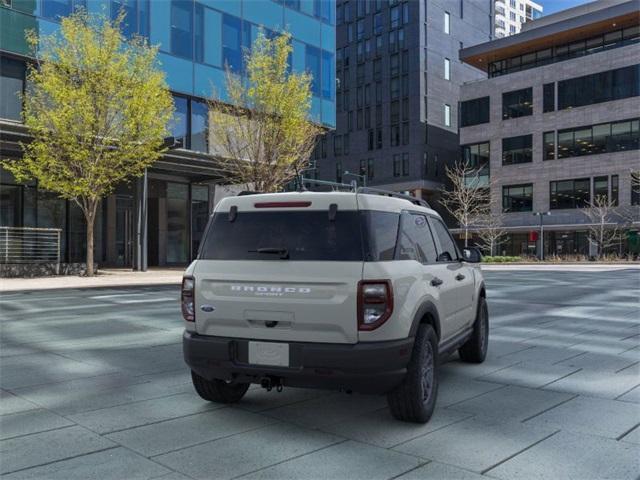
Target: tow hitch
[269, 383]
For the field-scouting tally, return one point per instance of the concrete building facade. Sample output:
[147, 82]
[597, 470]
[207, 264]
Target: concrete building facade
[558, 123]
[398, 86]
[511, 15]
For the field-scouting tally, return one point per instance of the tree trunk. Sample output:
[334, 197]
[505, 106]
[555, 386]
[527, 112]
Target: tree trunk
[90, 217]
[466, 236]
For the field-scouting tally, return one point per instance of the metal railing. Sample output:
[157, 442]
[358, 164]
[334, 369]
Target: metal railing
[30, 245]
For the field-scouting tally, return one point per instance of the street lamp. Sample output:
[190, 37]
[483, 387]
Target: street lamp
[363, 177]
[541, 215]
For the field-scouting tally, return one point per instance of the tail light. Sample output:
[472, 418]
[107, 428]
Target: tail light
[375, 303]
[188, 298]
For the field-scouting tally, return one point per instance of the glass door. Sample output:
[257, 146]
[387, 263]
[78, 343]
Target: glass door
[124, 231]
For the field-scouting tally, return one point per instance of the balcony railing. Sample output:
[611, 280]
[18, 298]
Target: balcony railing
[30, 245]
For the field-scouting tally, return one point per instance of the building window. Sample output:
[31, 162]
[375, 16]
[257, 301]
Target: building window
[635, 188]
[328, 75]
[312, 61]
[370, 169]
[474, 112]
[601, 188]
[447, 69]
[179, 125]
[615, 192]
[396, 166]
[517, 198]
[12, 78]
[516, 150]
[56, 9]
[395, 135]
[570, 193]
[394, 16]
[182, 28]
[405, 165]
[549, 97]
[378, 139]
[517, 103]
[339, 172]
[231, 42]
[345, 144]
[136, 20]
[447, 115]
[599, 87]
[199, 126]
[337, 145]
[477, 156]
[370, 142]
[549, 145]
[377, 23]
[447, 23]
[603, 138]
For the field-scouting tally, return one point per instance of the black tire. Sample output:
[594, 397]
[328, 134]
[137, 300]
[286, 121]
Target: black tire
[218, 391]
[415, 398]
[474, 350]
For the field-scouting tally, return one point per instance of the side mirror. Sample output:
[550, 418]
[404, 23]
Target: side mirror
[471, 255]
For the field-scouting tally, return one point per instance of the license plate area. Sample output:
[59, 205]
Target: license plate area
[269, 353]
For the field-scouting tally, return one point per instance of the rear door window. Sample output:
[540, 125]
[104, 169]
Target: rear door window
[415, 241]
[380, 231]
[308, 235]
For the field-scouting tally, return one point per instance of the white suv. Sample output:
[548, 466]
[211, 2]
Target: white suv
[350, 291]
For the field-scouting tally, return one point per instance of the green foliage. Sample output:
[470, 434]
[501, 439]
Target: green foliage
[262, 128]
[501, 259]
[97, 106]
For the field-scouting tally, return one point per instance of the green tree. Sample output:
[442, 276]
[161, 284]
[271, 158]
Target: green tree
[261, 131]
[97, 107]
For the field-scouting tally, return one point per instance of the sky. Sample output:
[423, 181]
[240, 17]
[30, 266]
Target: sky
[552, 6]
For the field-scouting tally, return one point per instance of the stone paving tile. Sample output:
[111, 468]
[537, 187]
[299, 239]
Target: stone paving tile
[527, 374]
[631, 396]
[632, 353]
[350, 460]
[541, 355]
[454, 388]
[183, 432]
[131, 415]
[34, 369]
[596, 384]
[10, 403]
[614, 418]
[597, 362]
[633, 436]
[258, 399]
[173, 476]
[511, 403]
[327, 409]
[436, 470]
[32, 421]
[112, 464]
[570, 455]
[475, 370]
[604, 346]
[475, 444]
[381, 429]
[108, 393]
[41, 448]
[246, 452]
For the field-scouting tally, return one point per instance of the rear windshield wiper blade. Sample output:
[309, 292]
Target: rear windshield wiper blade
[283, 252]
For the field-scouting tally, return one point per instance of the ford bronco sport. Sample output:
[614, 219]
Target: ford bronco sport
[343, 290]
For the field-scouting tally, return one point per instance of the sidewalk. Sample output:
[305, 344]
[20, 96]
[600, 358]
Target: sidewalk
[562, 267]
[105, 278]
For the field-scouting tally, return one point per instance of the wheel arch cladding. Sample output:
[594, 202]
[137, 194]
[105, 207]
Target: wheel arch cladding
[426, 314]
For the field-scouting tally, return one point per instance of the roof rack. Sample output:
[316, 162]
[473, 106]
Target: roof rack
[377, 191]
[389, 193]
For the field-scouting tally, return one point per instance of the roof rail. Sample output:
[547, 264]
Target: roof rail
[389, 193]
[326, 183]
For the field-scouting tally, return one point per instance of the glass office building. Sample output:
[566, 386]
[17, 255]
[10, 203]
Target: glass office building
[197, 40]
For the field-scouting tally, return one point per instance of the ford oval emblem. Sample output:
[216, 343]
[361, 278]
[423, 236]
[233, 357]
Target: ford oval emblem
[207, 308]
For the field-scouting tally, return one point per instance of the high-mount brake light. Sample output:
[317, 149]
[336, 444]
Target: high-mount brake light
[375, 303]
[187, 299]
[282, 204]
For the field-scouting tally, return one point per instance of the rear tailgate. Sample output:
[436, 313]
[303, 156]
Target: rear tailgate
[278, 300]
[281, 267]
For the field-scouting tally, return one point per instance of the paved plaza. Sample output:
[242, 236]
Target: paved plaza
[93, 385]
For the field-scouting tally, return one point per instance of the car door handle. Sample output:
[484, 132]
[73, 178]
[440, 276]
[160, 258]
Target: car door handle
[436, 282]
[460, 277]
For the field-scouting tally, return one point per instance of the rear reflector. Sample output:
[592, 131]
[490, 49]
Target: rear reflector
[282, 204]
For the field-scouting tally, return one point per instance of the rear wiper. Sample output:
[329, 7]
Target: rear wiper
[283, 252]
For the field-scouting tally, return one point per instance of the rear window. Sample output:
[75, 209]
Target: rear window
[306, 235]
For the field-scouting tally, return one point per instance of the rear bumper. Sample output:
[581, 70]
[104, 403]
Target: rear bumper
[375, 367]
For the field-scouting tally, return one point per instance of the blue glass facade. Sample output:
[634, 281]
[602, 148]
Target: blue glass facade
[198, 38]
